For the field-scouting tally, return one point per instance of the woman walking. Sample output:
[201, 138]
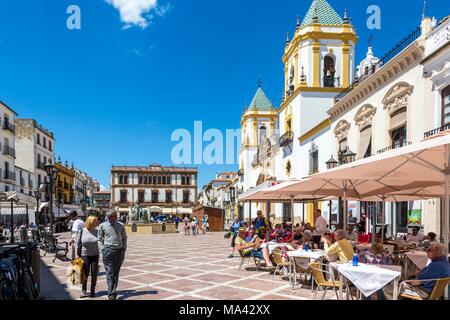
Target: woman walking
[187, 226]
[88, 251]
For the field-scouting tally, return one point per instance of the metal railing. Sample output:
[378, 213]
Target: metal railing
[395, 145]
[7, 150]
[436, 131]
[399, 47]
[9, 126]
[331, 82]
[40, 165]
[286, 138]
[10, 175]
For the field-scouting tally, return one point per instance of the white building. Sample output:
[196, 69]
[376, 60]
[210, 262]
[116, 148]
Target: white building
[34, 148]
[8, 152]
[161, 190]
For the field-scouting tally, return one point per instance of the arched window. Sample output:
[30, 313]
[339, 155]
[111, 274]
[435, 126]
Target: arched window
[188, 180]
[164, 180]
[125, 179]
[328, 71]
[145, 179]
[159, 180]
[140, 179]
[154, 179]
[120, 179]
[183, 180]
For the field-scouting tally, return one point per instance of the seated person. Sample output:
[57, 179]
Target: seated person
[251, 237]
[352, 235]
[308, 226]
[376, 248]
[307, 237]
[252, 249]
[278, 232]
[415, 236]
[297, 234]
[327, 237]
[342, 247]
[438, 268]
[428, 239]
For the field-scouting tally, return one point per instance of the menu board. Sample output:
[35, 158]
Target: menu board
[415, 217]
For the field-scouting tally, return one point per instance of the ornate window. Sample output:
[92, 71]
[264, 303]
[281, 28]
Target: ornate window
[328, 71]
[155, 196]
[446, 106]
[123, 196]
[397, 97]
[140, 179]
[364, 116]
[141, 196]
[120, 179]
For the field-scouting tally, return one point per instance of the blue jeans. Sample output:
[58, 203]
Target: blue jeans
[257, 253]
[112, 259]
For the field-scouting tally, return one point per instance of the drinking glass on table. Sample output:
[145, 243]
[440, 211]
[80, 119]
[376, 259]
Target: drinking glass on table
[369, 256]
[379, 258]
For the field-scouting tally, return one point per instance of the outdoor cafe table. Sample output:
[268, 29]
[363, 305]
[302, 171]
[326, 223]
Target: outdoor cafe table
[307, 255]
[271, 246]
[368, 279]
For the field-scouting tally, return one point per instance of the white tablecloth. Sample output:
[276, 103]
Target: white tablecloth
[272, 245]
[316, 254]
[419, 258]
[367, 278]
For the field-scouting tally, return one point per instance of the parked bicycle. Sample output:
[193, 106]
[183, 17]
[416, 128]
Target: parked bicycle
[17, 280]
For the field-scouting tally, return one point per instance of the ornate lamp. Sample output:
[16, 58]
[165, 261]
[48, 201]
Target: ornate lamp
[332, 163]
[349, 156]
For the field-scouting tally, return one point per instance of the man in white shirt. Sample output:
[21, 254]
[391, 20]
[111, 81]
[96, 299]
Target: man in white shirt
[320, 224]
[77, 226]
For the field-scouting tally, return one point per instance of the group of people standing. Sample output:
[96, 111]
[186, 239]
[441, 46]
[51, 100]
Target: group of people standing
[92, 238]
[191, 224]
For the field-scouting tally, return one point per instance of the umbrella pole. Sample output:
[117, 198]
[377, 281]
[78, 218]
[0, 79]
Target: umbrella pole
[250, 212]
[446, 203]
[383, 218]
[344, 199]
[268, 219]
[292, 211]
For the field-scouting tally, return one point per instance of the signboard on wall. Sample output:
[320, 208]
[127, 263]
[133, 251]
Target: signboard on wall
[415, 217]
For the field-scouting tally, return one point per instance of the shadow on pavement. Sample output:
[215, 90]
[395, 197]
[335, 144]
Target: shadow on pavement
[51, 288]
[124, 294]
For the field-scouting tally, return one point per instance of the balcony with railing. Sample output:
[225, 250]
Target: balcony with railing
[396, 144]
[9, 175]
[10, 151]
[391, 54]
[22, 181]
[436, 131]
[40, 165]
[30, 184]
[9, 126]
[286, 139]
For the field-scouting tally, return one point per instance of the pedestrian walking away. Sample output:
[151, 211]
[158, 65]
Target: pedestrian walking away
[112, 241]
[77, 226]
[88, 251]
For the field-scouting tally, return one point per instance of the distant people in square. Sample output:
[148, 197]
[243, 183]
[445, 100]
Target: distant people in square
[204, 223]
[177, 222]
[320, 224]
[88, 251]
[112, 241]
[194, 226]
[187, 226]
[351, 234]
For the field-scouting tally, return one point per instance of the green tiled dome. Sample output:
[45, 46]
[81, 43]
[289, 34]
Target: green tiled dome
[261, 102]
[325, 13]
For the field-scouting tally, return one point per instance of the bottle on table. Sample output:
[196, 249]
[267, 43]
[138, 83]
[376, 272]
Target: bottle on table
[355, 260]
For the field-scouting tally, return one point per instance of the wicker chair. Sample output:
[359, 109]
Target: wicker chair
[317, 272]
[436, 294]
[280, 264]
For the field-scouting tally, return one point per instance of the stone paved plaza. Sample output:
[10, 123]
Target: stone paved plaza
[175, 266]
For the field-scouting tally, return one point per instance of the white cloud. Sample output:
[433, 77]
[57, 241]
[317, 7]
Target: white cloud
[137, 12]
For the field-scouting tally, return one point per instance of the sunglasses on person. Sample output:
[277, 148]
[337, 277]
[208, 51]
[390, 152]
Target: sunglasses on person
[327, 234]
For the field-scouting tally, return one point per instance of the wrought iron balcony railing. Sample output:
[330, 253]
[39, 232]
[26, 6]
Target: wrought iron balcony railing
[286, 139]
[395, 145]
[436, 131]
[7, 150]
[9, 126]
[331, 82]
[10, 175]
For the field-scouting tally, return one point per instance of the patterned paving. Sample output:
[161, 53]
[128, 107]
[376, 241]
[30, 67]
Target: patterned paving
[180, 267]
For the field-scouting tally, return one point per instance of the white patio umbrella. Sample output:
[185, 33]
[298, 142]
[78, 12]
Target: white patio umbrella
[418, 171]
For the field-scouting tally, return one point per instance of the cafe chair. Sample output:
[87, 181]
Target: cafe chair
[280, 264]
[319, 278]
[436, 294]
[248, 259]
[296, 267]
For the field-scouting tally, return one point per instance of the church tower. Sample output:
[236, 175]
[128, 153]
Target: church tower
[319, 63]
[258, 126]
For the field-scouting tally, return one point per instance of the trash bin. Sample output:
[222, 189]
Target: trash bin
[164, 227]
[134, 227]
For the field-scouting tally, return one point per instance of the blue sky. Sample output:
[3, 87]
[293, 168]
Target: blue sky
[114, 91]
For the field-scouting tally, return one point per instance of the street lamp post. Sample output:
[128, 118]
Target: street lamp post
[51, 174]
[84, 196]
